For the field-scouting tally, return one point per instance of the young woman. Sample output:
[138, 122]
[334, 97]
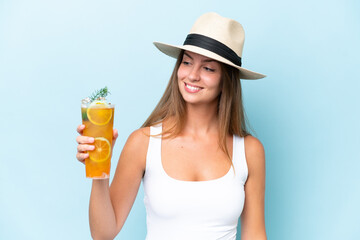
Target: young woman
[200, 167]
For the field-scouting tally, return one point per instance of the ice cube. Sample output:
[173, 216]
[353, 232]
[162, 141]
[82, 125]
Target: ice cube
[85, 100]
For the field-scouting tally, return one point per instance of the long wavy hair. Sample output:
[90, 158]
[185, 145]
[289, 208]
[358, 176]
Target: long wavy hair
[230, 110]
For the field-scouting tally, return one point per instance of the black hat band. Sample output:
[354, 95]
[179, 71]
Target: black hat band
[213, 46]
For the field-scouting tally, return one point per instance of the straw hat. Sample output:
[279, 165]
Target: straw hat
[215, 37]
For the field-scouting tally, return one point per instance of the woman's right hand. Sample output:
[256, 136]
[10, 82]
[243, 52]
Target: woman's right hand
[83, 144]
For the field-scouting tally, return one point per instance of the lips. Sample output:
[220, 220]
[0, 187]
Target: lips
[191, 88]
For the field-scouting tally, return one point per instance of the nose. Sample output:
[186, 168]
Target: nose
[194, 74]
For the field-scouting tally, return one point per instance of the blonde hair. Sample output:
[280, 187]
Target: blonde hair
[231, 112]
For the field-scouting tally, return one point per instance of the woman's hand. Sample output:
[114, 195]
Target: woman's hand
[85, 143]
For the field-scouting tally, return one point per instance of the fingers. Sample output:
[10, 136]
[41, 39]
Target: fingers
[115, 136]
[82, 156]
[84, 140]
[80, 128]
[84, 148]
[83, 144]
[82, 151]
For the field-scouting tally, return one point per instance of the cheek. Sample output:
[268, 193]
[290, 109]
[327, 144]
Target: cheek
[215, 83]
[181, 73]
[179, 79]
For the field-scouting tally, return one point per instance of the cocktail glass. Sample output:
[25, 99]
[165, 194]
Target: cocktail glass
[98, 118]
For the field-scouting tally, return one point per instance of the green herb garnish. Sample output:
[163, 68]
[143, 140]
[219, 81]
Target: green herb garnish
[84, 114]
[102, 93]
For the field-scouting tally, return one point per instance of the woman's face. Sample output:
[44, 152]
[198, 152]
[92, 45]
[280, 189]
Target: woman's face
[199, 78]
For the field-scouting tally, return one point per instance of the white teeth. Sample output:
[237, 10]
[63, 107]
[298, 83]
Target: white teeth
[192, 88]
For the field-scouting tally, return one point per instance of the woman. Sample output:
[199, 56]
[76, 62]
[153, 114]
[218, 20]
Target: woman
[201, 169]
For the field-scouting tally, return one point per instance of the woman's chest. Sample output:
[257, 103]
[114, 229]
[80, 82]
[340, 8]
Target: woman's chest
[194, 160]
[212, 201]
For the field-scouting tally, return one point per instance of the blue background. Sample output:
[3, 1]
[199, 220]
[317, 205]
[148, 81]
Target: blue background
[306, 113]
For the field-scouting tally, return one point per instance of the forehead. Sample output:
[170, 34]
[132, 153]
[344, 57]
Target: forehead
[197, 56]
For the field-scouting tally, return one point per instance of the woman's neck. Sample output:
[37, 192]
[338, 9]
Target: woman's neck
[201, 119]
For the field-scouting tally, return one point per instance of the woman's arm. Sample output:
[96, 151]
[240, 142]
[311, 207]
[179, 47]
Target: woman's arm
[252, 217]
[128, 175]
[110, 206]
[101, 212]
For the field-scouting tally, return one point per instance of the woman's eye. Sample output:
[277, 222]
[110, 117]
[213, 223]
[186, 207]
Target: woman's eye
[209, 69]
[186, 63]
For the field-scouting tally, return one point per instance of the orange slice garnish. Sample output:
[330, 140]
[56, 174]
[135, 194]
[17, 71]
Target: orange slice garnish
[99, 113]
[102, 150]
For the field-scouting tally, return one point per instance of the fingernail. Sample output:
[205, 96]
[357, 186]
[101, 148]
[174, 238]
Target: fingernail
[92, 147]
[91, 139]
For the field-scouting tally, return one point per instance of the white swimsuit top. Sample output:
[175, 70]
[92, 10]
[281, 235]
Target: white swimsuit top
[187, 210]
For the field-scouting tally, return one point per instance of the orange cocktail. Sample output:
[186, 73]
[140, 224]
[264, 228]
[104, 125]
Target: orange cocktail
[98, 118]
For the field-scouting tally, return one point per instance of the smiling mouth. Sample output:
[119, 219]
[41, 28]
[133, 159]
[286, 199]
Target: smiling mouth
[192, 88]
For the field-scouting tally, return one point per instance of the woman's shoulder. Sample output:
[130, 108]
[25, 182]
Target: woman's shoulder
[135, 148]
[252, 144]
[254, 152]
[139, 137]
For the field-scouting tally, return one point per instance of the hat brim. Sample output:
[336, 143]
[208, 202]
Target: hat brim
[174, 51]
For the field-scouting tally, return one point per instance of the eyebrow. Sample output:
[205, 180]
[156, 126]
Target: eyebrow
[206, 60]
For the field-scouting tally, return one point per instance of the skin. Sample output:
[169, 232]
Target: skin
[110, 205]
